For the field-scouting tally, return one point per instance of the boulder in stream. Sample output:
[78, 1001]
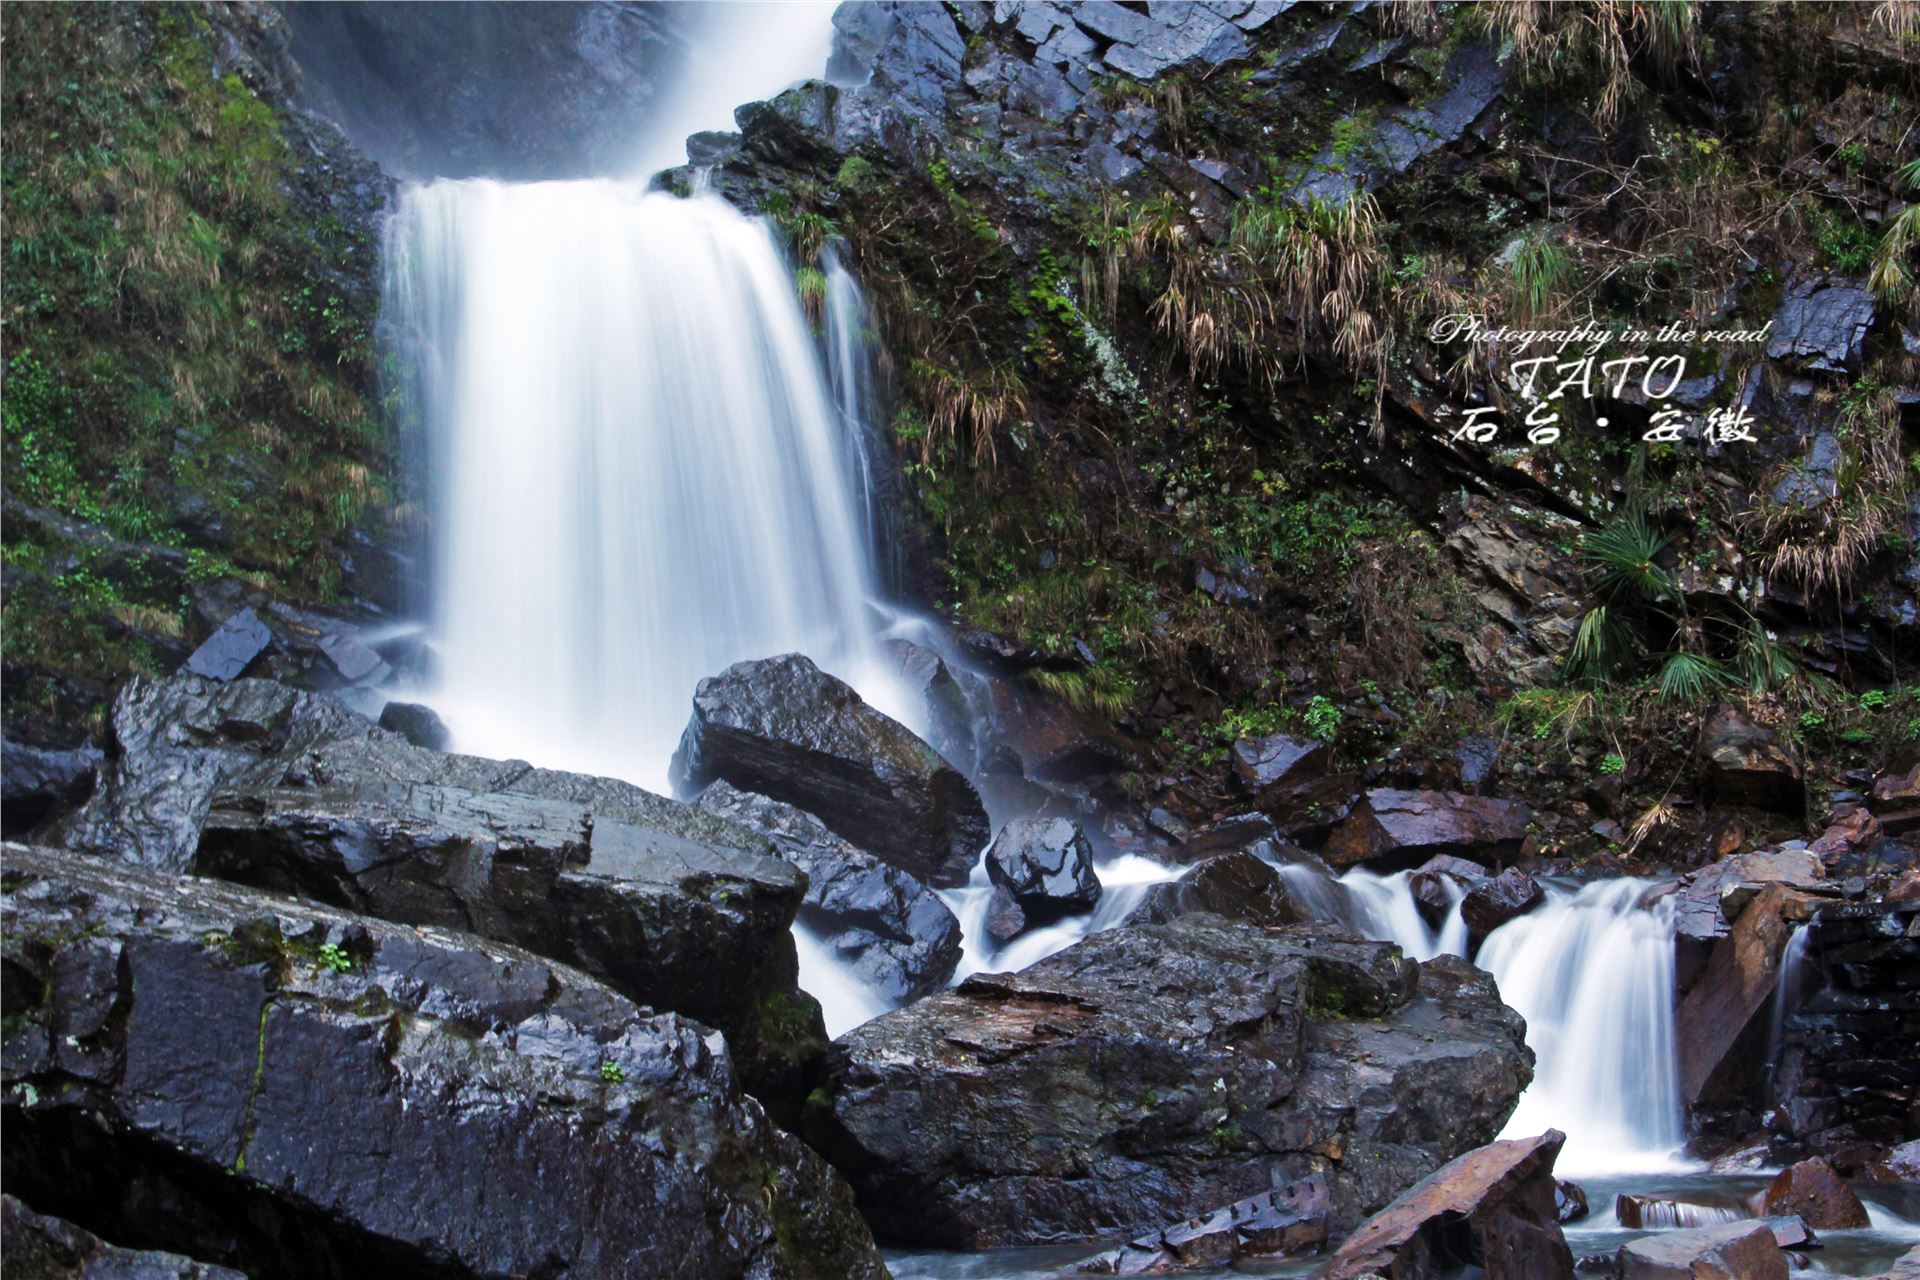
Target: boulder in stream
[1145, 1070]
[1393, 830]
[781, 727]
[1235, 886]
[1493, 1208]
[1730, 1251]
[1814, 1191]
[895, 934]
[295, 1091]
[1047, 865]
[1495, 901]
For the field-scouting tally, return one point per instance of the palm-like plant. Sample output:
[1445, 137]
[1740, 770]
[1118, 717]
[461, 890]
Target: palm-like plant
[1635, 588]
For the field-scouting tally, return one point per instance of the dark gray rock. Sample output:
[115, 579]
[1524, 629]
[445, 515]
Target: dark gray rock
[944, 702]
[1440, 883]
[1047, 865]
[1744, 762]
[38, 784]
[895, 934]
[1234, 886]
[1730, 1251]
[1264, 766]
[1494, 902]
[295, 1091]
[229, 651]
[1004, 920]
[257, 783]
[1082, 1097]
[38, 1247]
[418, 724]
[1394, 829]
[1493, 1207]
[1823, 321]
[783, 728]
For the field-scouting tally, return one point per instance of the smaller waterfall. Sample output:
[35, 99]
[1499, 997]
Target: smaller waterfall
[1379, 907]
[850, 372]
[1788, 987]
[1592, 973]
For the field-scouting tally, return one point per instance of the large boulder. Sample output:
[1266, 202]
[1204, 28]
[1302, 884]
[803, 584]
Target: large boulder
[781, 727]
[894, 933]
[1492, 1209]
[1267, 766]
[1235, 886]
[1721, 1027]
[1814, 1191]
[38, 1247]
[290, 791]
[1495, 901]
[1730, 1251]
[1145, 1070]
[1282, 1223]
[296, 1091]
[1742, 762]
[1394, 830]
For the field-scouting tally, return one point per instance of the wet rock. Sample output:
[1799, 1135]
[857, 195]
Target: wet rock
[1569, 1201]
[1308, 810]
[1076, 1099]
[1494, 902]
[1004, 921]
[1053, 743]
[1721, 1024]
[1823, 321]
[1731, 1251]
[418, 724]
[1494, 1207]
[949, 723]
[1265, 766]
[1282, 1223]
[254, 782]
[1047, 865]
[783, 728]
[1234, 886]
[1744, 763]
[1440, 883]
[42, 1248]
[38, 785]
[295, 1091]
[1814, 1191]
[1398, 829]
[895, 934]
[229, 651]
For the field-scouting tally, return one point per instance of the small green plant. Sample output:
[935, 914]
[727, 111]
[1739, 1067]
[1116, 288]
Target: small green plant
[1612, 762]
[333, 958]
[1323, 718]
[612, 1072]
[1812, 722]
[1873, 699]
[1224, 1135]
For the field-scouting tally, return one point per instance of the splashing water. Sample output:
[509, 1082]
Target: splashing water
[1124, 881]
[639, 475]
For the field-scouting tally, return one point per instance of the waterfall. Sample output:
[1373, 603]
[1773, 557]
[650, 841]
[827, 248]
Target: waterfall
[639, 474]
[1788, 986]
[1592, 973]
[849, 324]
[1591, 970]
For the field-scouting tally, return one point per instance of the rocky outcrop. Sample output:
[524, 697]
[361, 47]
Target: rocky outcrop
[1492, 1209]
[1283, 1223]
[1731, 1251]
[895, 934]
[1079, 1097]
[1264, 767]
[1720, 1028]
[295, 1091]
[1744, 763]
[1234, 886]
[783, 728]
[1815, 1192]
[1394, 830]
[38, 784]
[254, 782]
[41, 1248]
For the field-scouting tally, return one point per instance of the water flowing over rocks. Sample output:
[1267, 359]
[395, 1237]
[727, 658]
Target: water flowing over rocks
[1146, 1070]
[1392, 829]
[38, 1247]
[1234, 886]
[894, 933]
[254, 782]
[1493, 1208]
[1046, 866]
[1721, 1027]
[783, 728]
[296, 1091]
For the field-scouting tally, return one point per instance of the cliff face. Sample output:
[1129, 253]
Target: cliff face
[1166, 296]
[192, 395]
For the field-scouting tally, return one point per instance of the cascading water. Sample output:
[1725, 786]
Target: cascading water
[640, 475]
[1592, 973]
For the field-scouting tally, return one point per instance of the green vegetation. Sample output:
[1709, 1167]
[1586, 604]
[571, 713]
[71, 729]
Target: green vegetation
[189, 365]
[613, 1072]
[334, 959]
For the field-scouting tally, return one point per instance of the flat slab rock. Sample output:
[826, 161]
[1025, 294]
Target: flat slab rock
[1731, 1251]
[295, 1091]
[1396, 830]
[254, 782]
[1495, 1206]
[1112, 1087]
